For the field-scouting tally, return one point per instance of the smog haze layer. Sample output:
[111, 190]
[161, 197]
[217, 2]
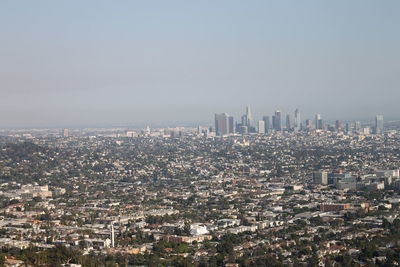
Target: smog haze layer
[77, 63]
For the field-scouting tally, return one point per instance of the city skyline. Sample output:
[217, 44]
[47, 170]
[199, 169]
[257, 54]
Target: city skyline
[199, 133]
[238, 117]
[291, 122]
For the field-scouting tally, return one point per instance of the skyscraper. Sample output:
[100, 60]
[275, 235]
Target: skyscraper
[266, 124]
[308, 125]
[348, 127]
[244, 120]
[273, 122]
[249, 115]
[297, 120]
[278, 121]
[231, 124]
[378, 129]
[261, 127]
[338, 125]
[247, 119]
[221, 124]
[318, 122]
[357, 126]
[288, 123]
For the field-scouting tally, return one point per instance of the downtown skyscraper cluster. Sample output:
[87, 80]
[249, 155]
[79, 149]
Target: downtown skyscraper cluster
[225, 124]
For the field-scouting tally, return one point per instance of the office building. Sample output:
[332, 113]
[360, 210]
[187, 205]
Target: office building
[349, 127]
[289, 125]
[266, 124]
[357, 126]
[273, 122]
[249, 115]
[231, 125]
[318, 122]
[378, 129]
[221, 124]
[247, 119]
[261, 127]
[308, 125]
[278, 121]
[244, 120]
[297, 120]
[338, 125]
[320, 177]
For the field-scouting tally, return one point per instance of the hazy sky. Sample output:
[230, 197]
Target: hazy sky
[67, 62]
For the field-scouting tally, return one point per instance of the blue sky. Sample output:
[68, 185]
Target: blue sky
[66, 63]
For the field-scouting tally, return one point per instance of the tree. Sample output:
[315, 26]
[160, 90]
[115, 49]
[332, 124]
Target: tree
[2, 259]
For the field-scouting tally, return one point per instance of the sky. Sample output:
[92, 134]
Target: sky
[97, 63]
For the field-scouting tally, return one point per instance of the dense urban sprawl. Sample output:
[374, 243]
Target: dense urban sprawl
[185, 197]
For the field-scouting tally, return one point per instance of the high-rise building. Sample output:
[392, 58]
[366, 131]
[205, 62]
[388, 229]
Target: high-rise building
[288, 122]
[338, 125]
[247, 119]
[308, 125]
[357, 126]
[278, 120]
[297, 120]
[318, 122]
[147, 130]
[349, 127]
[378, 129]
[244, 120]
[266, 123]
[261, 127]
[273, 122]
[249, 115]
[231, 124]
[320, 177]
[221, 124]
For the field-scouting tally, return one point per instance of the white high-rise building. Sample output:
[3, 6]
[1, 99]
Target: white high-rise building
[266, 124]
[378, 129]
[261, 127]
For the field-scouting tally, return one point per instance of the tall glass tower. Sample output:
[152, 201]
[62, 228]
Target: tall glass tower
[379, 124]
[278, 120]
[297, 119]
[318, 122]
[249, 116]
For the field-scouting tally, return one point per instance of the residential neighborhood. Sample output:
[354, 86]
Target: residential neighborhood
[316, 198]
